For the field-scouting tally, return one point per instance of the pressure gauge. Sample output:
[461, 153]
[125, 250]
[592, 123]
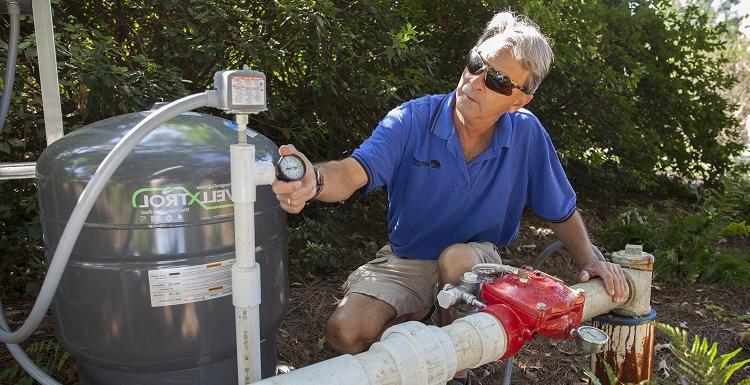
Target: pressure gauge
[291, 168]
[591, 339]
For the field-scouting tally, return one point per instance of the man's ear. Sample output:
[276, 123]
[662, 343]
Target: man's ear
[520, 102]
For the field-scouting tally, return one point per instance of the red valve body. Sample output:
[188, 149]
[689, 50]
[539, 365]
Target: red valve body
[541, 304]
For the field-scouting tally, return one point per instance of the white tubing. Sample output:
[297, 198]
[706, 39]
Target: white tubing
[86, 201]
[410, 354]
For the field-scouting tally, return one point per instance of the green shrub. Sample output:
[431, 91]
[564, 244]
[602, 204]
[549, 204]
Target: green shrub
[635, 86]
[684, 244]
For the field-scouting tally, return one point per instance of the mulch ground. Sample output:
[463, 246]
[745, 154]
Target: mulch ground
[707, 310]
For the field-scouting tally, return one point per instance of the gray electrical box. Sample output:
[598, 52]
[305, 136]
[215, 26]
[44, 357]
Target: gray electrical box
[241, 91]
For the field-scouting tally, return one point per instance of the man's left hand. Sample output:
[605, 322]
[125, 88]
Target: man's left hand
[612, 276]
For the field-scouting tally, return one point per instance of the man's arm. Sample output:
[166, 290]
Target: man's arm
[573, 235]
[340, 180]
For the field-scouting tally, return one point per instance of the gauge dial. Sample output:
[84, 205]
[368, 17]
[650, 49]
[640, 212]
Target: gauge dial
[593, 335]
[291, 168]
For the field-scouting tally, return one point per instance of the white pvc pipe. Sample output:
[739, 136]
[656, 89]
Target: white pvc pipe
[598, 301]
[17, 170]
[410, 354]
[45, 46]
[246, 175]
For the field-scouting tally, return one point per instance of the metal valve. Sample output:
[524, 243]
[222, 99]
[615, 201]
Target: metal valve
[451, 295]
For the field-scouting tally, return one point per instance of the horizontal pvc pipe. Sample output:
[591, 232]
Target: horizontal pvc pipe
[598, 301]
[21, 170]
[410, 354]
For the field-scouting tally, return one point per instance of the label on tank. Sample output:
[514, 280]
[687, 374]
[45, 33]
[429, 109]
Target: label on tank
[189, 284]
[172, 204]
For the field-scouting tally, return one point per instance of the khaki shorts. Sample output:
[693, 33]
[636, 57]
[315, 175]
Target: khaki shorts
[409, 285]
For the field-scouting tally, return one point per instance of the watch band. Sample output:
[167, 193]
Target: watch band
[319, 181]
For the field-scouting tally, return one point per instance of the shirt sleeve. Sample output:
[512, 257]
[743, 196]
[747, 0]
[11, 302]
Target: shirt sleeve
[550, 194]
[381, 153]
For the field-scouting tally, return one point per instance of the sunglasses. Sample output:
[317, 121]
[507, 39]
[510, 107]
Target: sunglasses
[494, 79]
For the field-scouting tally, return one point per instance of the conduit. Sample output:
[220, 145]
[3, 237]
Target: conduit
[14, 14]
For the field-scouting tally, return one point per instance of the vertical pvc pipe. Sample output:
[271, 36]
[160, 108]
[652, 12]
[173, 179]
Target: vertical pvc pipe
[45, 47]
[245, 272]
[247, 175]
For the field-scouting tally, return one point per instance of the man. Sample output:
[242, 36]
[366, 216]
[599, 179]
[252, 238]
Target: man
[459, 169]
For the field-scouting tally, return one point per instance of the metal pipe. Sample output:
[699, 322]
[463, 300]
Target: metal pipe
[630, 349]
[629, 352]
[17, 170]
[45, 47]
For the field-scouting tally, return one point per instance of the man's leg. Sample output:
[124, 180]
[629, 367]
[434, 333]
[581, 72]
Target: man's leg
[385, 291]
[359, 320]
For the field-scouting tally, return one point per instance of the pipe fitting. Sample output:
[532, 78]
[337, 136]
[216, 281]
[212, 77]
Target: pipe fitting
[638, 267]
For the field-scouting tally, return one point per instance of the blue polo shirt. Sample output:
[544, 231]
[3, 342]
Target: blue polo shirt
[436, 199]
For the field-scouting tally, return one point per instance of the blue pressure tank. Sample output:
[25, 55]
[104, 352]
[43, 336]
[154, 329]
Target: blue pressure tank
[146, 296]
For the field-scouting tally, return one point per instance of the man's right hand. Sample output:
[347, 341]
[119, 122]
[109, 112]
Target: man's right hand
[292, 196]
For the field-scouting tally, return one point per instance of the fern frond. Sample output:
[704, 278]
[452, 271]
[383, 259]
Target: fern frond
[697, 364]
[732, 368]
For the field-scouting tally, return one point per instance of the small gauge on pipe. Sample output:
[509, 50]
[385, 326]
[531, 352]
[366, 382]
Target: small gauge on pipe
[290, 168]
[591, 339]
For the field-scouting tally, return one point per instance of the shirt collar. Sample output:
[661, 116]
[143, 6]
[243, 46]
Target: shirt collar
[445, 128]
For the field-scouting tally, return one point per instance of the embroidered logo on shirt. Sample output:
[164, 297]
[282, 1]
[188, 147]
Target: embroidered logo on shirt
[425, 163]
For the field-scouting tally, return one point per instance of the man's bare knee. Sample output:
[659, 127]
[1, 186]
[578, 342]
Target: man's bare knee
[455, 260]
[357, 323]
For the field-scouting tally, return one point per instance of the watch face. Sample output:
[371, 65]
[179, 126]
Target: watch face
[291, 167]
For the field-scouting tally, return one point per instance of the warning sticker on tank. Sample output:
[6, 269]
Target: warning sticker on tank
[190, 284]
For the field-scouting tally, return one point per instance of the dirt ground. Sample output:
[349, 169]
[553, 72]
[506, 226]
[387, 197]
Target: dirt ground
[706, 310]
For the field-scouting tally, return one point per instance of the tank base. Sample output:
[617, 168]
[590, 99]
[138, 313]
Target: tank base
[220, 373]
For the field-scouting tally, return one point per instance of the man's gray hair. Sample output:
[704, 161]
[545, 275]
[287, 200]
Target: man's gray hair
[524, 40]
